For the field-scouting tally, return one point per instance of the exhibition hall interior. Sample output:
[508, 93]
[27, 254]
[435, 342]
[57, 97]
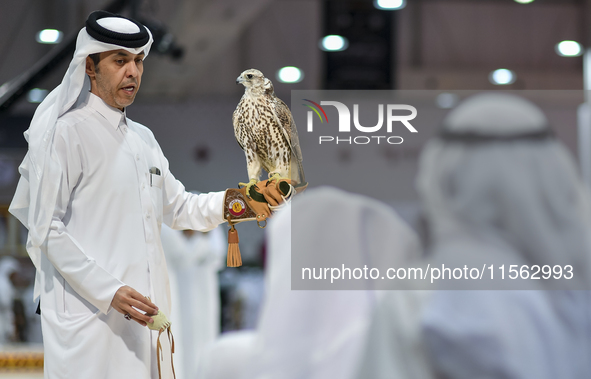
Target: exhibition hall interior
[432, 54]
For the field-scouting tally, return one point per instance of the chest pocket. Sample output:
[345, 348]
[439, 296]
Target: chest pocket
[155, 182]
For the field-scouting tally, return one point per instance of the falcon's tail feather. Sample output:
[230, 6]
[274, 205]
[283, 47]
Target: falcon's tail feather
[301, 173]
[297, 176]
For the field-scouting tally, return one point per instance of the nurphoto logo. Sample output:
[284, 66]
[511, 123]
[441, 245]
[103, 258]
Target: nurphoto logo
[344, 123]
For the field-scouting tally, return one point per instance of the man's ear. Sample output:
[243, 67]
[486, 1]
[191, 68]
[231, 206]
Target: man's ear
[90, 69]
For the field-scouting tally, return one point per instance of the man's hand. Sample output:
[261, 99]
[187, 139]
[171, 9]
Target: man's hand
[129, 301]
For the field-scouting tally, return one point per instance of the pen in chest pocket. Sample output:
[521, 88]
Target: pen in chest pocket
[155, 178]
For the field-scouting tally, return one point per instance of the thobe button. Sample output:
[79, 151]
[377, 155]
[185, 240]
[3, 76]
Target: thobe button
[143, 185]
[148, 215]
[137, 157]
[125, 129]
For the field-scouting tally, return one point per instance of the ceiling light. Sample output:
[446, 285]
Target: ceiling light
[36, 95]
[334, 43]
[290, 74]
[502, 77]
[4, 88]
[389, 5]
[524, 1]
[569, 49]
[49, 36]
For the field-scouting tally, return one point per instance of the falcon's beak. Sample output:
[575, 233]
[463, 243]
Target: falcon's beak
[239, 80]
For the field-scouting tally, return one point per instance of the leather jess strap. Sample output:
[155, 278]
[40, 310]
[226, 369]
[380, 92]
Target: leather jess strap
[160, 356]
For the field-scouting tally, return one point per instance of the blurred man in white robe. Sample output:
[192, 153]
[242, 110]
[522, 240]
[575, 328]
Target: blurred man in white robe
[194, 260]
[314, 334]
[498, 188]
[8, 266]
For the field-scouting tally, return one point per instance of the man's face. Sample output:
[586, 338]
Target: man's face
[117, 77]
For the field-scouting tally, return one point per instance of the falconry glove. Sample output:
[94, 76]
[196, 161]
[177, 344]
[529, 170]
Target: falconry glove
[278, 193]
[258, 205]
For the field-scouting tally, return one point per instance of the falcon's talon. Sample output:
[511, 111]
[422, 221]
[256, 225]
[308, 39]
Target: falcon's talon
[250, 183]
[276, 177]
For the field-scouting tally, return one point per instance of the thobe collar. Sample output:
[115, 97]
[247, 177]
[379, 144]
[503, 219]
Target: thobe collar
[114, 116]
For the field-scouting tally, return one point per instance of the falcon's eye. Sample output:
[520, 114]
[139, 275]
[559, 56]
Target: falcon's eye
[249, 76]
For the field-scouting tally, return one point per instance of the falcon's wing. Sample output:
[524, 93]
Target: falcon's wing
[289, 130]
[236, 122]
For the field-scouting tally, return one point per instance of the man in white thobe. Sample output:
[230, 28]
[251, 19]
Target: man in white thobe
[94, 190]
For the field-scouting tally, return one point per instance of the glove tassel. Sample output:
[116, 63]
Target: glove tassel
[234, 258]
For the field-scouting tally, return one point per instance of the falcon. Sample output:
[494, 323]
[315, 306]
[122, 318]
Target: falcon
[266, 131]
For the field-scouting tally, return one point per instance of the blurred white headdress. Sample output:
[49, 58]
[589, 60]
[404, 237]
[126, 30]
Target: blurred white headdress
[496, 174]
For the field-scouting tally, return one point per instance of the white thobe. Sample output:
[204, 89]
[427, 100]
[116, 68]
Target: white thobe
[105, 233]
